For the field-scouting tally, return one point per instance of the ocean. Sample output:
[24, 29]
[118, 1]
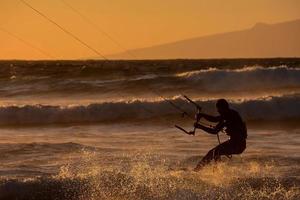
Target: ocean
[105, 129]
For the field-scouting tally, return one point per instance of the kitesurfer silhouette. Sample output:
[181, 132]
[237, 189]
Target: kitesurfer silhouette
[230, 121]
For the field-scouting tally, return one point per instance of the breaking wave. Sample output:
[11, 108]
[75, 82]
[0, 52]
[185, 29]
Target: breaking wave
[270, 108]
[211, 80]
[248, 78]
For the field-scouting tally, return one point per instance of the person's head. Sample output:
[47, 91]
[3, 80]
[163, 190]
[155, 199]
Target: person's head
[222, 106]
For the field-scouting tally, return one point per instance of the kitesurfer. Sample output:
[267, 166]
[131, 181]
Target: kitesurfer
[231, 122]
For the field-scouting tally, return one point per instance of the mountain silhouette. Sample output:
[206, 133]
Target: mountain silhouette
[262, 40]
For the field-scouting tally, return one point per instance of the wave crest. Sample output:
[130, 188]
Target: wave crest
[248, 78]
[272, 108]
[211, 80]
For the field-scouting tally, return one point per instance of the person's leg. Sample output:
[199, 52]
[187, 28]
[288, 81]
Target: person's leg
[230, 147]
[213, 154]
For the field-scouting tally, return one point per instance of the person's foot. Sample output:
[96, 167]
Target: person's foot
[198, 167]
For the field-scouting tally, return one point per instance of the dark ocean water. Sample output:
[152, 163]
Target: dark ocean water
[101, 130]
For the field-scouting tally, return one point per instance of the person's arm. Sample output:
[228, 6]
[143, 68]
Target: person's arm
[214, 130]
[210, 117]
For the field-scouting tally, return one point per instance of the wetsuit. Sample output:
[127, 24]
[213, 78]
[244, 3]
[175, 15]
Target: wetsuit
[234, 127]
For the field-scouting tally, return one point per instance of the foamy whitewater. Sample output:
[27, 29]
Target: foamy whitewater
[101, 130]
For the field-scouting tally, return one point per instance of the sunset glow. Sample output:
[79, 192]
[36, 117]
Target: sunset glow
[132, 23]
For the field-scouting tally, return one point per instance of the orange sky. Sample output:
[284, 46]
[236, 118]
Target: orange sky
[132, 23]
